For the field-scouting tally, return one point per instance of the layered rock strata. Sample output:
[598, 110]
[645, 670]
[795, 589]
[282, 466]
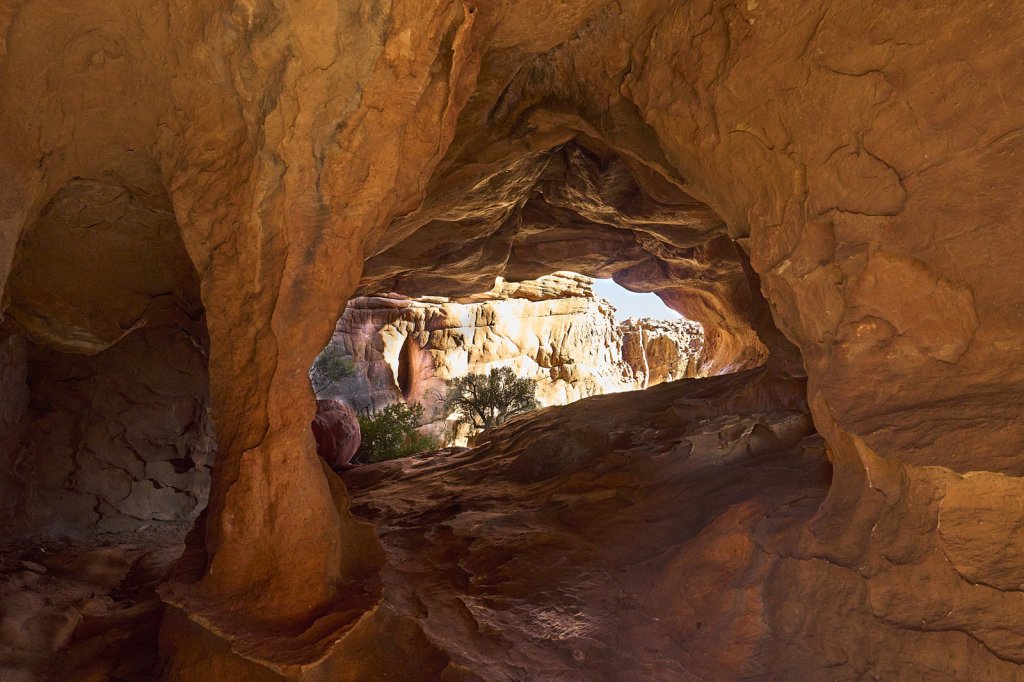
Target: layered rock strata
[553, 330]
[830, 188]
[612, 539]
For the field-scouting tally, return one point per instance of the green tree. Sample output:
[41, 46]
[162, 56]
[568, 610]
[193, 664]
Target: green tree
[392, 432]
[330, 366]
[485, 400]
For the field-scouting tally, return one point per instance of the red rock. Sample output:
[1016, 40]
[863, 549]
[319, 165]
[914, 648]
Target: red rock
[336, 429]
[847, 177]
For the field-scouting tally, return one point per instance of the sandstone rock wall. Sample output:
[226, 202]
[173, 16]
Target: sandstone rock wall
[553, 330]
[832, 187]
[112, 441]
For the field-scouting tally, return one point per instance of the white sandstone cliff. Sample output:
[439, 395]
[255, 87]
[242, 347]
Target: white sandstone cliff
[553, 329]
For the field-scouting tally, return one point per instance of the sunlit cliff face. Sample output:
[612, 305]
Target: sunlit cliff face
[555, 331]
[831, 191]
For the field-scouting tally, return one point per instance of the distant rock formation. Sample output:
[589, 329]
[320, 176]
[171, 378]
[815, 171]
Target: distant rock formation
[553, 329]
[661, 350]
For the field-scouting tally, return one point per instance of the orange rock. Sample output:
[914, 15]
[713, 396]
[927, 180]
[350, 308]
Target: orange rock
[831, 189]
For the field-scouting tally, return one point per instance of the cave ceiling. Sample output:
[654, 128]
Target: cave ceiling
[832, 189]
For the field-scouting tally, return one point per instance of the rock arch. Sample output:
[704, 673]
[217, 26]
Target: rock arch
[850, 150]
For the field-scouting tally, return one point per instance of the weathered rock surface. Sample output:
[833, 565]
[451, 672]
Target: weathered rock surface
[553, 330]
[831, 188]
[617, 538]
[110, 441]
[336, 429]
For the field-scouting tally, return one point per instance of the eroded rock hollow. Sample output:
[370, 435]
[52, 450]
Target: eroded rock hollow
[190, 192]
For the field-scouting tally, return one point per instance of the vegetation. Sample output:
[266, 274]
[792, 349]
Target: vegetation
[391, 433]
[486, 400]
[330, 366]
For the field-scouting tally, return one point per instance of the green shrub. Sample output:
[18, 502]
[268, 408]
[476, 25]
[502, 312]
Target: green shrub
[391, 433]
[330, 366]
[485, 400]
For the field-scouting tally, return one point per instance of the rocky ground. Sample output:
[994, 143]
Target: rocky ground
[608, 540]
[85, 609]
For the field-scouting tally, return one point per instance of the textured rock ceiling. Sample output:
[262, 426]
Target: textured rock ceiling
[858, 163]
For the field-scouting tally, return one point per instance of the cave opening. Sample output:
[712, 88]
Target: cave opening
[832, 190]
[694, 463]
[461, 303]
[108, 444]
[604, 223]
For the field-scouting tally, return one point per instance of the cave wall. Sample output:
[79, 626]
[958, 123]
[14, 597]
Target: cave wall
[113, 441]
[109, 346]
[866, 158]
[837, 202]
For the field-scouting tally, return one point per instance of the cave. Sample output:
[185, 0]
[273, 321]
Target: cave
[106, 371]
[108, 443]
[191, 193]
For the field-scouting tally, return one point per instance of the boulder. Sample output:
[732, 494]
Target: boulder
[336, 429]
